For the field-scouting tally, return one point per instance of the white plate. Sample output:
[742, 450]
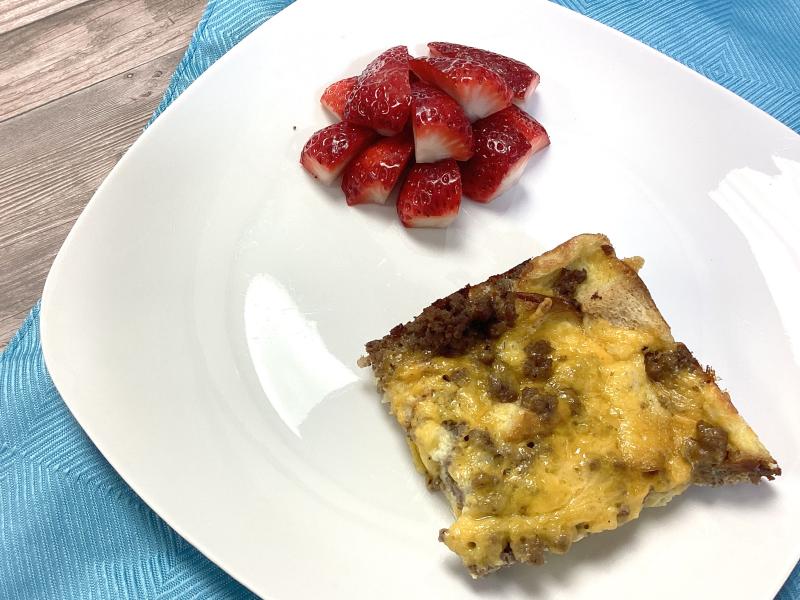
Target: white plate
[204, 318]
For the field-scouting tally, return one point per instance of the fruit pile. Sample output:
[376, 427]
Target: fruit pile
[453, 111]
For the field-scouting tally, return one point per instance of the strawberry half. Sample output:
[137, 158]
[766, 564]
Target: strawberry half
[441, 129]
[335, 95]
[520, 77]
[479, 90]
[381, 97]
[370, 177]
[516, 118]
[501, 154]
[431, 195]
[329, 150]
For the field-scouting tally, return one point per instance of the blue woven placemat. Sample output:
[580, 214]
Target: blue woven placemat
[71, 528]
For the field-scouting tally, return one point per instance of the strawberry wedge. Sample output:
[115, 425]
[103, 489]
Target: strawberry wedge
[517, 119]
[504, 142]
[479, 90]
[520, 77]
[381, 97]
[335, 95]
[501, 154]
[431, 195]
[329, 150]
[441, 129]
[371, 176]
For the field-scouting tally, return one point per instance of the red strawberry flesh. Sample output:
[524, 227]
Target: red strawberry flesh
[335, 95]
[431, 195]
[381, 98]
[329, 150]
[371, 176]
[441, 129]
[501, 154]
[520, 77]
[516, 118]
[479, 90]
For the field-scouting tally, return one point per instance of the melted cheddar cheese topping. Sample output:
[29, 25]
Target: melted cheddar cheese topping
[553, 458]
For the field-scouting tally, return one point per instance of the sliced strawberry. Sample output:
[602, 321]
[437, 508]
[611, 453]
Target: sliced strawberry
[441, 129]
[520, 77]
[503, 144]
[431, 195]
[479, 90]
[335, 95]
[501, 154]
[330, 149]
[381, 97]
[530, 128]
[372, 174]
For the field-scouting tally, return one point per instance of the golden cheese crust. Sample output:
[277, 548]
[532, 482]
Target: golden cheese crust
[552, 401]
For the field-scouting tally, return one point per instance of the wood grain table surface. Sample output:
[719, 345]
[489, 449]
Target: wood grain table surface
[78, 81]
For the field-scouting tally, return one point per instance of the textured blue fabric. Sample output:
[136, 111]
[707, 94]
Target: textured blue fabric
[752, 47]
[71, 528]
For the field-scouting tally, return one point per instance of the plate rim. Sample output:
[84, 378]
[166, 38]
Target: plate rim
[49, 302]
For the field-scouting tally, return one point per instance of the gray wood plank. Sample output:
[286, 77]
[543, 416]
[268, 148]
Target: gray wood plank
[87, 43]
[52, 160]
[17, 13]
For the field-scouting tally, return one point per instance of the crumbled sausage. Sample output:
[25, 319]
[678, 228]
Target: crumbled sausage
[708, 448]
[486, 354]
[539, 363]
[568, 281]
[452, 325]
[503, 382]
[501, 389]
[573, 401]
[538, 401]
[662, 364]
[498, 327]
[457, 376]
[713, 440]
